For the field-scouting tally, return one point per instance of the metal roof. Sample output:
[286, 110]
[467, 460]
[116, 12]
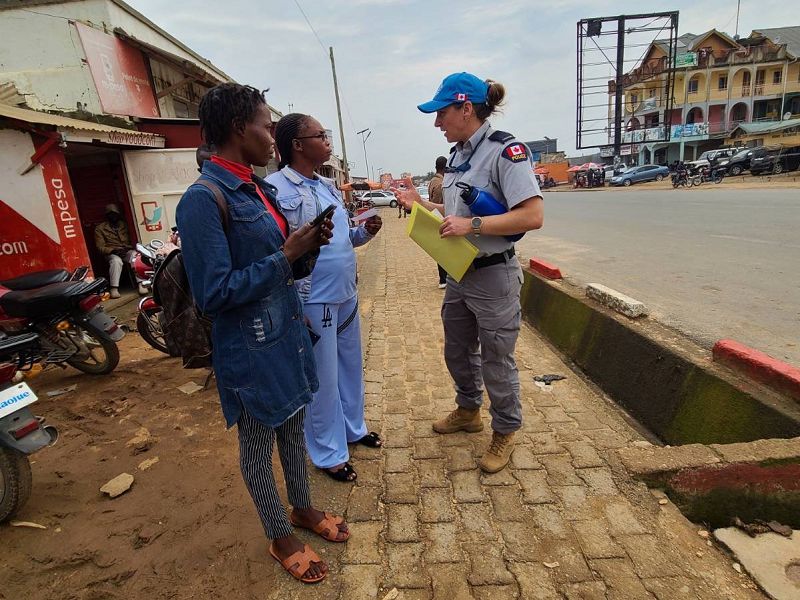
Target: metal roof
[767, 127]
[784, 35]
[59, 122]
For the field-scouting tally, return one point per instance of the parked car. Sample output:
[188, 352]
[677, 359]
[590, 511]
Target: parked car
[640, 174]
[778, 161]
[381, 198]
[614, 170]
[707, 158]
[742, 160]
[423, 192]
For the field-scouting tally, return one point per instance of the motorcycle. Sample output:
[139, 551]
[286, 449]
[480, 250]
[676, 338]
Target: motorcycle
[680, 179]
[706, 174]
[149, 321]
[66, 312]
[21, 433]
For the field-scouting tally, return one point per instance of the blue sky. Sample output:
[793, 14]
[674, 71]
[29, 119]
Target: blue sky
[392, 54]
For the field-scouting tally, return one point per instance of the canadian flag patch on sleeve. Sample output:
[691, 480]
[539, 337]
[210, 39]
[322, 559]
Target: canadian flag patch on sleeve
[515, 152]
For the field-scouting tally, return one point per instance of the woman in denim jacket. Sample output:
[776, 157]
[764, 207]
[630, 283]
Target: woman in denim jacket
[241, 274]
[335, 417]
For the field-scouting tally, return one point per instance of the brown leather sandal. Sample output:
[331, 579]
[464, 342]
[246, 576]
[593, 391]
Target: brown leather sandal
[298, 563]
[327, 529]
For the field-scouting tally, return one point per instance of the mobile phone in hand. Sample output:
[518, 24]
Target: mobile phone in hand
[325, 214]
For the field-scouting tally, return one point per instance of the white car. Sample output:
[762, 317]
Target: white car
[381, 198]
[423, 192]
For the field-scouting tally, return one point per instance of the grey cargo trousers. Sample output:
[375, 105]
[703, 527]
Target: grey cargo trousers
[481, 317]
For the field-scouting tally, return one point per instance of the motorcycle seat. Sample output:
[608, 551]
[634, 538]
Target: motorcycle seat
[36, 280]
[49, 300]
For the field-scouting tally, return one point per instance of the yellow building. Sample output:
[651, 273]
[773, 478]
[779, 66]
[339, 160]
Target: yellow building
[720, 82]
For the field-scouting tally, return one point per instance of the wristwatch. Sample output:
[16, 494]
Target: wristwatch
[476, 225]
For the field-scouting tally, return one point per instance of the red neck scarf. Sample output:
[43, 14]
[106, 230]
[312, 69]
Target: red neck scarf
[245, 173]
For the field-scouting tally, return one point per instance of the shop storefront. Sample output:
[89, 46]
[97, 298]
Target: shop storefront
[58, 175]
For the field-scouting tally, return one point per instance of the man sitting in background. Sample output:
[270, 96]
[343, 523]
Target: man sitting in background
[113, 241]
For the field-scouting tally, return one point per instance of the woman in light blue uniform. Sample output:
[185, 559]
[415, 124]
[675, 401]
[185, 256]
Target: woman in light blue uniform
[335, 417]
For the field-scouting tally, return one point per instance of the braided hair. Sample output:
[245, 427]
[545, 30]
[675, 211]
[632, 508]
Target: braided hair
[285, 132]
[226, 108]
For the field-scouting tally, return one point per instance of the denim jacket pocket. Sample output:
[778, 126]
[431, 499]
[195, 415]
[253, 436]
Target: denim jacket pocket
[248, 218]
[266, 323]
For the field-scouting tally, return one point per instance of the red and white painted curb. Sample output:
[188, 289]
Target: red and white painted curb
[770, 371]
[545, 269]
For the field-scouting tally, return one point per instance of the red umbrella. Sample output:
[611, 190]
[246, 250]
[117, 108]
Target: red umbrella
[541, 171]
[590, 165]
[575, 169]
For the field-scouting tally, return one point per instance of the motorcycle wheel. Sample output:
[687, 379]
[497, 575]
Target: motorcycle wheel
[93, 342]
[15, 482]
[696, 180]
[148, 324]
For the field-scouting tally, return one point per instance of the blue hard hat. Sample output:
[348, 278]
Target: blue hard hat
[457, 88]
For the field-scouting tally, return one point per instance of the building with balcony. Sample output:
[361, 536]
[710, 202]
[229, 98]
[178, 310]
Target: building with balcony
[719, 83]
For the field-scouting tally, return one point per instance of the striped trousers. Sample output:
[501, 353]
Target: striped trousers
[255, 458]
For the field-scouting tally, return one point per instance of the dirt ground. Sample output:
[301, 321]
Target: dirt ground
[187, 520]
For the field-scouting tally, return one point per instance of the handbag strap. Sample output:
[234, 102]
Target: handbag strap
[222, 205]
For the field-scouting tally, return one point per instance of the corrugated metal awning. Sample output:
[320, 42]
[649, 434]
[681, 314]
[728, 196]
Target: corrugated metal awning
[76, 130]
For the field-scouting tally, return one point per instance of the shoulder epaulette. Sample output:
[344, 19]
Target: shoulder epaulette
[501, 136]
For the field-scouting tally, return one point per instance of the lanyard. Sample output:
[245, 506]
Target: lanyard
[465, 166]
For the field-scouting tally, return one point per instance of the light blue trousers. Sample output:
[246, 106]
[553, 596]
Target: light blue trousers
[336, 414]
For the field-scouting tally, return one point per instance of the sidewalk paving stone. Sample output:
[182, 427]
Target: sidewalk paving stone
[432, 473]
[402, 522]
[467, 486]
[442, 543]
[437, 506]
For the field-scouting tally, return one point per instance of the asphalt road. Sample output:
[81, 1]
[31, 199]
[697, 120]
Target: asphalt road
[712, 263]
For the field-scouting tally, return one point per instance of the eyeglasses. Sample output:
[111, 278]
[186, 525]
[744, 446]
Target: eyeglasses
[322, 136]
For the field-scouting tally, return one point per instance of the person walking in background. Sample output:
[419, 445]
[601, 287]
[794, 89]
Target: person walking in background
[435, 196]
[241, 268]
[335, 417]
[481, 313]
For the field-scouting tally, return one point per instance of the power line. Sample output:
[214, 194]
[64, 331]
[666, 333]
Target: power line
[324, 49]
[310, 26]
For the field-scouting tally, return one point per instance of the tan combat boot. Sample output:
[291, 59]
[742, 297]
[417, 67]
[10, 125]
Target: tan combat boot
[460, 419]
[498, 454]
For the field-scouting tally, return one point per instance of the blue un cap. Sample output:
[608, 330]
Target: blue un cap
[457, 88]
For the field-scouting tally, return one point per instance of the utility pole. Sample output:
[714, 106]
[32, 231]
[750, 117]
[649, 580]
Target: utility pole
[738, 6]
[339, 114]
[620, 67]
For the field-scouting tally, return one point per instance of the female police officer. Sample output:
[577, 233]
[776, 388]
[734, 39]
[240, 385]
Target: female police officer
[481, 313]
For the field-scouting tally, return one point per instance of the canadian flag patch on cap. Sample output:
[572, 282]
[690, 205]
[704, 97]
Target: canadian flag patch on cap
[461, 97]
[516, 152]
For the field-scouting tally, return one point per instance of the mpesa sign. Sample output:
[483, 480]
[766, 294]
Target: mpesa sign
[66, 218]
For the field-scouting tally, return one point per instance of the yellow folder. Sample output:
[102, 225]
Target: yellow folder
[454, 254]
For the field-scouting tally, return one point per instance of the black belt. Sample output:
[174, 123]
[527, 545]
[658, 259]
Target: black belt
[493, 259]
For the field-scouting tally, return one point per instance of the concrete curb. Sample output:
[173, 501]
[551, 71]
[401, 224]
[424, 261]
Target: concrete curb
[770, 371]
[617, 301]
[713, 484]
[666, 383]
[545, 268]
